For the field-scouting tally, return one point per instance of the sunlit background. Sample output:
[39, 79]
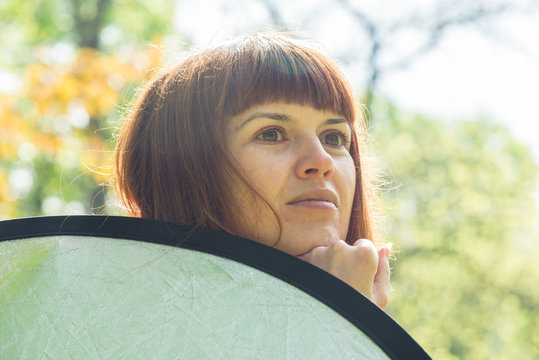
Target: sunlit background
[450, 89]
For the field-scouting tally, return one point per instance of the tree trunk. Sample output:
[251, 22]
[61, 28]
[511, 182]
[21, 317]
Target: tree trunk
[88, 16]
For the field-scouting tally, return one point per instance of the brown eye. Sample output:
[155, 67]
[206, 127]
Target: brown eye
[271, 135]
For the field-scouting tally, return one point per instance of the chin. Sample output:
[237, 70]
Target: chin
[300, 242]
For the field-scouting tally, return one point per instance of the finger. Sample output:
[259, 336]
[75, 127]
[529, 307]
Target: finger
[367, 255]
[364, 242]
[381, 284]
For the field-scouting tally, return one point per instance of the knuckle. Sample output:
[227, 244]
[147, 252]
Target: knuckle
[339, 247]
[340, 244]
[367, 253]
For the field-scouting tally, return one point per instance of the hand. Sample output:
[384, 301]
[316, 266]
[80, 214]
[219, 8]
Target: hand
[360, 266]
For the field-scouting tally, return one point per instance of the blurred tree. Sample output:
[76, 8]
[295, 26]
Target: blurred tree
[62, 124]
[79, 61]
[88, 23]
[88, 19]
[463, 221]
[384, 41]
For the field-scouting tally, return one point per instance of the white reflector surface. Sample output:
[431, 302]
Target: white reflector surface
[80, 297]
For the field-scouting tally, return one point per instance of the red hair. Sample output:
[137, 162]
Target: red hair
[172, 162]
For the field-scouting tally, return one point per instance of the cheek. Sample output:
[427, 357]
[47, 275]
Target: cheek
[347, 169]
[253, 217]
[347, 187]
[265, 172]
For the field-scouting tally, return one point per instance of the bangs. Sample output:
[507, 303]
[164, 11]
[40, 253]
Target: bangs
[260, 71]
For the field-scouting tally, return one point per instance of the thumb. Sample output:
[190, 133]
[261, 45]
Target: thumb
[381, 284]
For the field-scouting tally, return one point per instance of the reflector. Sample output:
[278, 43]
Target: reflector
[101, 287]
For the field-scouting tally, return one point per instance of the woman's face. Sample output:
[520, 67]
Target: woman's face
[297, 159]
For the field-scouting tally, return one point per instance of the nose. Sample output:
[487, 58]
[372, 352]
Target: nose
[314, 160]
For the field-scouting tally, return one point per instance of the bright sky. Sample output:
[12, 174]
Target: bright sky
[471, 75]
[491, 70]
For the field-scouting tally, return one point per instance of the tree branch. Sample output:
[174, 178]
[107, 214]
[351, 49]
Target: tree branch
[372, 31]
[275, 14]
[440, 28]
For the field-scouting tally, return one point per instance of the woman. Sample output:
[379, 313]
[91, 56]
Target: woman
[261, 138]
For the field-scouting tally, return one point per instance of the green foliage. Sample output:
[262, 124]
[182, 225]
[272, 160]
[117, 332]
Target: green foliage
[141, 20]
[30, 24]
[36, 21]
[56, 131]
[27, 24]
[59, 189]
[462, 221]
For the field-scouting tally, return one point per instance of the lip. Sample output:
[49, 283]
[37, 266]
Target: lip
[316, 199]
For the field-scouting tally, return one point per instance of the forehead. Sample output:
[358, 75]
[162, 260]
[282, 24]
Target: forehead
[287, 113]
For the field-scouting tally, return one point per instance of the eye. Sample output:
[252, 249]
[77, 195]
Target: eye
[271, 135]
[335, 138]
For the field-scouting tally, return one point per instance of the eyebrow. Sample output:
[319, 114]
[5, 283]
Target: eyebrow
[284, 118]
[273, 116]
[337, 121]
